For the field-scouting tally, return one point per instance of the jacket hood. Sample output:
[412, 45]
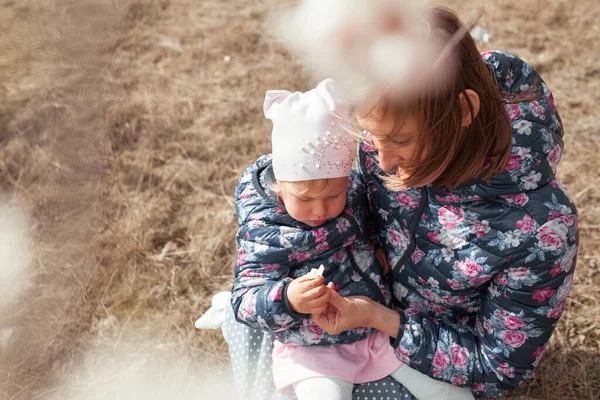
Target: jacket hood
[537, 143]
[259, 210]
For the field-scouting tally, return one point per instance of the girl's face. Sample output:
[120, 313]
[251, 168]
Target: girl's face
[394, 148]
[316, 206]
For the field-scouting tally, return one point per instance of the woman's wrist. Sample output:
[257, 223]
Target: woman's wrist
[385, 320]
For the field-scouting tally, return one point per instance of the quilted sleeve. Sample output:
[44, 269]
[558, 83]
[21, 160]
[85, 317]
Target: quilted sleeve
[259, 297]
[499, 348]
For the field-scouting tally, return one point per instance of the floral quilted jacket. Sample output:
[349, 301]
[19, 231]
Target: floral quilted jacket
[273, 249]
[482, 272]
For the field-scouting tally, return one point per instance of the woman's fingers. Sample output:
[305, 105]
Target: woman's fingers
[328, 320]
[335, 299]
[344, 313]
[319, 310]
[319, 318]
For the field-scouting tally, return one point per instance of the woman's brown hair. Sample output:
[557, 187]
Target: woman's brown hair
[451, 154]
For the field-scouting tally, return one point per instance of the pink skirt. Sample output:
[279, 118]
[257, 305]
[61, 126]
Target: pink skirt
[364, 361]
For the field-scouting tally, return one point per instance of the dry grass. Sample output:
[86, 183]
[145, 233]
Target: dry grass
[125, 134]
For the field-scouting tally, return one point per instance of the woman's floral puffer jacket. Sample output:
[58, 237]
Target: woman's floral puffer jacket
[274, 249]
[482, 272]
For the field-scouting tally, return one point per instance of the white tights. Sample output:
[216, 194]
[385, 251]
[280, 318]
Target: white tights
[323, 388]
[420, 385]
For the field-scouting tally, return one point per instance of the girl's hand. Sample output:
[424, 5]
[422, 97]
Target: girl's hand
[344, 313]
[307, 295]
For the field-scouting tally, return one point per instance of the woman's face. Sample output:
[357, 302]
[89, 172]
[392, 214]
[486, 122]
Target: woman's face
[394, 148]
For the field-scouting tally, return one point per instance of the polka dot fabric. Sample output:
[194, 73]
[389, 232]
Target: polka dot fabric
[250, 351]
[384, 389]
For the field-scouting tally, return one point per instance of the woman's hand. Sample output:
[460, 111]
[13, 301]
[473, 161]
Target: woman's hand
[344, 313]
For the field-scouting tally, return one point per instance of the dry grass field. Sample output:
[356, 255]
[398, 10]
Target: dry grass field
[123, 130]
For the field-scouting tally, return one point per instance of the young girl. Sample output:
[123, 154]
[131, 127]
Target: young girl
[298, 209]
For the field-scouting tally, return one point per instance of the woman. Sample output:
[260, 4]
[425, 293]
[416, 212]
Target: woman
[481, 237]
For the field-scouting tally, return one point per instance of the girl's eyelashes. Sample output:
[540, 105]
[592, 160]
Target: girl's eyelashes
[305, 200]
[335, 196]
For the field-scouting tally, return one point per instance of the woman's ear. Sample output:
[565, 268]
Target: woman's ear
[467, 115]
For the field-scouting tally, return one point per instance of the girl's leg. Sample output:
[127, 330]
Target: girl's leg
[323, 388]
[424, 387]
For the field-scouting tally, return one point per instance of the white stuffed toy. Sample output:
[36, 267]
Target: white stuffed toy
[214, 317]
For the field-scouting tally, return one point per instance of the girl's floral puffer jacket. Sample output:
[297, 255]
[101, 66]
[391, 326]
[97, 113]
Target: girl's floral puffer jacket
[274, 249]
[482, 272]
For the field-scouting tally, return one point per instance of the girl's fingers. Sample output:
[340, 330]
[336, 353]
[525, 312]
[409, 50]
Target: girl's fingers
[303, 278]
[310, 283]
[319, 301]
[315, 293]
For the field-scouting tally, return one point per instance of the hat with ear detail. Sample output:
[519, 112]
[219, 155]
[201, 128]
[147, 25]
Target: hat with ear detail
[274, 97]
[311, 136]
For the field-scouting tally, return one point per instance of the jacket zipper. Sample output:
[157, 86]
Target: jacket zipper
[355, 266]
[412, 228]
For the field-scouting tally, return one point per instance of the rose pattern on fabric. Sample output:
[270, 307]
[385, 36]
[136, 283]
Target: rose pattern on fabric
[519, 199]
[459, 356]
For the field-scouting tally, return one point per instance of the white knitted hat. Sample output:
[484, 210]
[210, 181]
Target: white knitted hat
[311, 138]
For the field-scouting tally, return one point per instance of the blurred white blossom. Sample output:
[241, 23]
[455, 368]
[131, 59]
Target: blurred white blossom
[481, 34]
[143, 369]
[5, 338]
[375, 44]
[15, 251]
